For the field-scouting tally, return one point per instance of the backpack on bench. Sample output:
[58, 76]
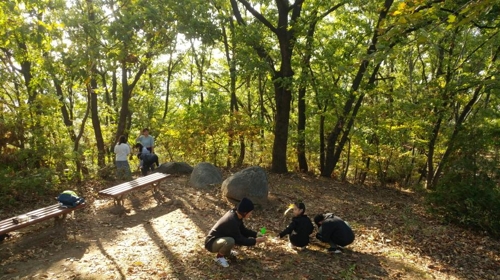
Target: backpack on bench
[69, 199]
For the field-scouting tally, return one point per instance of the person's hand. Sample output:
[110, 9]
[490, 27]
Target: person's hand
[260, 240]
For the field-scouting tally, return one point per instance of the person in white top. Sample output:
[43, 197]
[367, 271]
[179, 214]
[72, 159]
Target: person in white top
[146, 140]
[122, 150]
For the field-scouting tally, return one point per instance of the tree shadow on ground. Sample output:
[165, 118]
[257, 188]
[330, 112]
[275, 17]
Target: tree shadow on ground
[39, 245]
[116, 266]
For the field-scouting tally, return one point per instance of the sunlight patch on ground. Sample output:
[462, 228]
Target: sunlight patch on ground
[155, 247]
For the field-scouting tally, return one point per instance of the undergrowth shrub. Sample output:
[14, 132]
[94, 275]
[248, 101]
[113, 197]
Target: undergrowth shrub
[469, 191]
[468, 199]
[25, 187]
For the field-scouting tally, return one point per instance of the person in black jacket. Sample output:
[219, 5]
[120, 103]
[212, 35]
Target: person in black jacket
[148, 162]
[230, 231]
[300, 228]
[333, 230]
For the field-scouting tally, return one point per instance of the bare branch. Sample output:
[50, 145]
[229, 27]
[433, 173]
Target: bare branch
[257, 15]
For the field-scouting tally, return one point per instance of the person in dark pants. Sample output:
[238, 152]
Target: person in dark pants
[333, 230]
[300, 228]
[230, 231]
[148, 161]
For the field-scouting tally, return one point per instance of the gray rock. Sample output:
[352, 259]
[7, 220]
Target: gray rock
[180, 168]
[205, 175]
[251, 182]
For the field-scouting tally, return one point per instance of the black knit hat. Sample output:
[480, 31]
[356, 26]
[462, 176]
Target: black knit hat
[245, 205]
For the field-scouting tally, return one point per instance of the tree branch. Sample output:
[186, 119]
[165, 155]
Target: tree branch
[332, 9]
[258, 16]
[261, 52]
[457, 14]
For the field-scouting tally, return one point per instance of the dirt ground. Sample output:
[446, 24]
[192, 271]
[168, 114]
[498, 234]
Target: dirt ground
[162, 238]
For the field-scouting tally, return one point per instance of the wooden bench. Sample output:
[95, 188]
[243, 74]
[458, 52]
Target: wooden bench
[119, 191]
[54, 211]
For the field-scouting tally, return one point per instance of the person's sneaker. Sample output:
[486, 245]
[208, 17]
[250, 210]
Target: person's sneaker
[222, 261]
[334, 250]
[233, 254]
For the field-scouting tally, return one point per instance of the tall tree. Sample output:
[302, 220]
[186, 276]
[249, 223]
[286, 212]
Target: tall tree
[285, 31]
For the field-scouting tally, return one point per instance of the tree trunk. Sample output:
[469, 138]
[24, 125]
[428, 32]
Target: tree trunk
[282, 79]
[301, 124]
[334, 149]
[96, 122]
[233, 106]
[125, 113]
[301, 127]
[430, 153]
[434, 176]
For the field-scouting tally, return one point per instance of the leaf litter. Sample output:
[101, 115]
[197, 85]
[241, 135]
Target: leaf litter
[395, 238]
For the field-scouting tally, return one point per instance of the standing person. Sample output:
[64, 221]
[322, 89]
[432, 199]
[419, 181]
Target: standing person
[230, 231]
[333, 230]
[146, 140]
[122, 150]
[300, 228]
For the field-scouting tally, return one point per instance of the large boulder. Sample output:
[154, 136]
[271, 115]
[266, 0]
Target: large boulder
[205, 175]
[180, 168]
[250, 182]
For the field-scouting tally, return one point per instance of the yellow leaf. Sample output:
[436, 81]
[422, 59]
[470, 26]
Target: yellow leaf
[402, 20]
[452, 18]
[442, 82]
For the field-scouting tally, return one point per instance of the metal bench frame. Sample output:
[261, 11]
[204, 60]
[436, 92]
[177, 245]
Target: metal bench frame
[118, 192]
[36, 216]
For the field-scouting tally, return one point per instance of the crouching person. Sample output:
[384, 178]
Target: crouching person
[299, 229]
[148, 161]
[333, 230]
[230, 231]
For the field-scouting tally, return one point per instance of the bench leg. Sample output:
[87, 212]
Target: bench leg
[118, 200]
[58, 220]
[157, 195]
[155, 189]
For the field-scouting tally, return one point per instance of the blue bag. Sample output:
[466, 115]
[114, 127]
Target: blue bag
[70, 199]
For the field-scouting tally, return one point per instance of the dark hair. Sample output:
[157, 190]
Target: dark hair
[122, 139]
[138, 146]
[301, 206]
[318, 218]
[145, 129]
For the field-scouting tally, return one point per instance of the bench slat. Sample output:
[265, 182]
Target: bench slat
[39, 215]
[134, 184]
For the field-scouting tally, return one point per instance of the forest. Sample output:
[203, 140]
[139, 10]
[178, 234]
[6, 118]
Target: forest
[377, 92]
